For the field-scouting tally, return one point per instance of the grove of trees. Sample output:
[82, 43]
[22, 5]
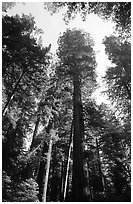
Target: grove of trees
[57, 143]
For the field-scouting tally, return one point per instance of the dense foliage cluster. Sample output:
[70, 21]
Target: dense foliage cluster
[57, 143]
[119, 12]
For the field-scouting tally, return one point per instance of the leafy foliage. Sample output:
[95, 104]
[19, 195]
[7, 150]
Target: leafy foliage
[24, 70]
[118, 77]
[19, 192]
[7, 5]
[119, 12]
[23, 59]
[76, 55]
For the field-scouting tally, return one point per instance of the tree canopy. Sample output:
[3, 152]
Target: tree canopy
[119, 12]
[118, 77]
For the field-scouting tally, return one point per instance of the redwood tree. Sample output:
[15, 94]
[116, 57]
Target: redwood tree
[77, 62]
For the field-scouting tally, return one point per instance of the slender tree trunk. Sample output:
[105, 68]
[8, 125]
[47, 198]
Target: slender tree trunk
[62, 181]
[37, 162]
[78, 177]
[68, 163]
[47, 171]
[67, 171]
[12, 94]
[35, 133]
[99, 166]
[41, 172]
[91, 190]
[32, 152]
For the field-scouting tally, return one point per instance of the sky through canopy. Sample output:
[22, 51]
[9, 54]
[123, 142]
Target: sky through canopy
[53, 26]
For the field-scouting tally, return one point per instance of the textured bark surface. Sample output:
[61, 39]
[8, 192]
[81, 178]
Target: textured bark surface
[29, 169]
[66, 174]
[99, 166]
[41, 172]
[35, 133]
[78, 178]
[47, 171]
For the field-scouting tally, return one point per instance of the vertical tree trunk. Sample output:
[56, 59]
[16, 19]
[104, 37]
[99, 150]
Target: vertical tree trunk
[67, 171]
[28, 170]
[87, 189]
[68, 162]
[99, 166]
[78, 177]
[41, 172]
[35, 133]
[12, 94]
[62, 181]
[47, 170]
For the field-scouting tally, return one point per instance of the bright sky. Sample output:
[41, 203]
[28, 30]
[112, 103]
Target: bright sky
[53, 25]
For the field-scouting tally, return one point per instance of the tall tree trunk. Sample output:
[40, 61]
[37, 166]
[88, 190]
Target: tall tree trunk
[99, 166]
[47, 170]
[67, 172]
[78, 177]
[35, 133]
[87, 189]
[41, 172]
[62, 180]
[28, 170]
[68, 163]
[12, 94]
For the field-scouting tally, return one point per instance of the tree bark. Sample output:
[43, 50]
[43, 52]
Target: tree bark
[41, 172]
[99, 166]
[67, 172]
[78, 177]
[34, 133]
[61, 182]
[47, 170]
[29, 168]
[87, 189]
[68, 163]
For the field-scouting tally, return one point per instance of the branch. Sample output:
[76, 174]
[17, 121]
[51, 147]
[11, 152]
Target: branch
[31, 153]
